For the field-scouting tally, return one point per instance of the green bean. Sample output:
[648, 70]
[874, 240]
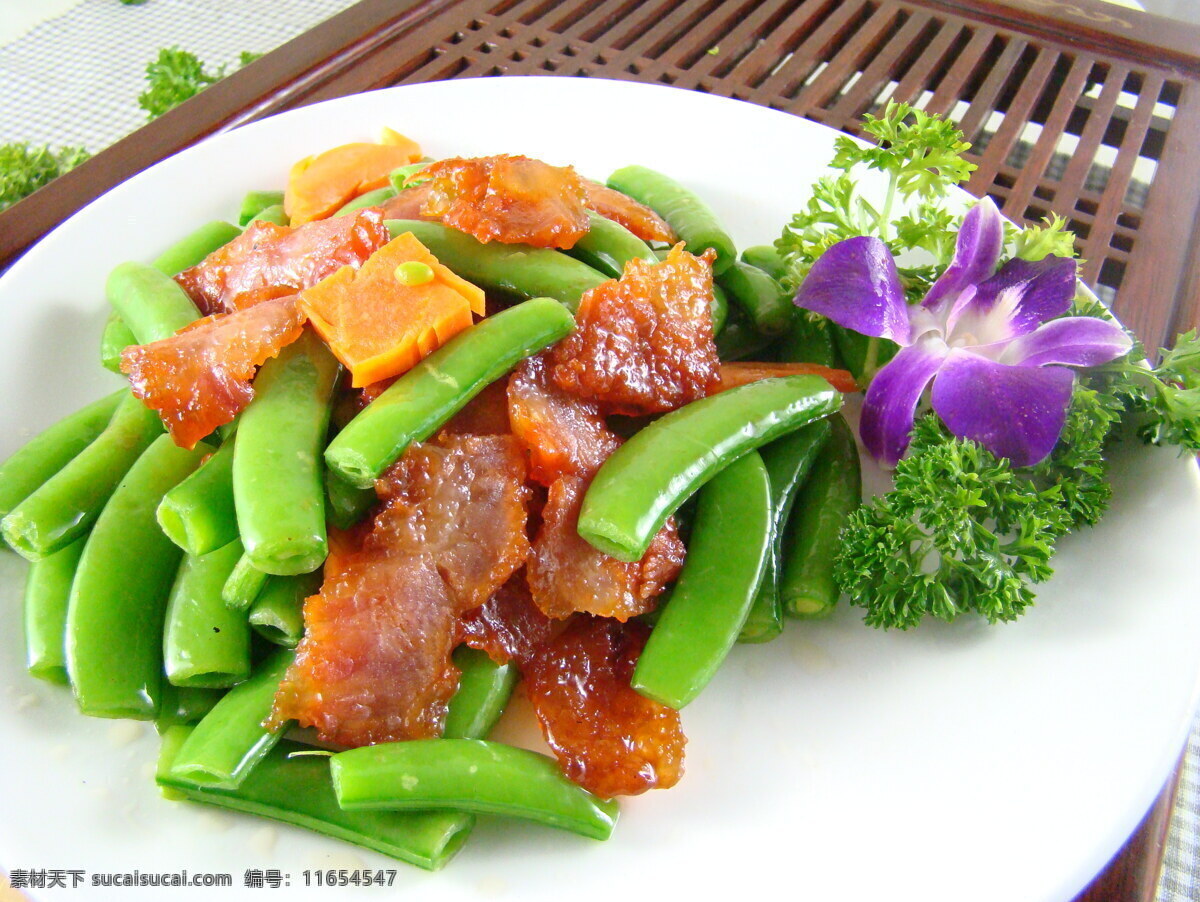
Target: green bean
[297, 790]
[244, 585]
[255, 202]
[65, 506]
[788, 461]
[718, 307]
[184, 705]
[766, 258]
[115, 338]
[231, 740]
[345, 504]
[119, 597]
[726, 556]
[419, 402]
[483, 691]
[278, 613]
[468, 775]
[150, 302]
[47, 590]
[517, 270]
[649, 476]
[370, 199]
[206, 644]
[277, 473]
[834, 490]
[274, 214]
[692, 219]
[51, 450]
[192, 249]
[764, 301]
[808, 342]
[198, 514]
[739, 339]
[608, 246]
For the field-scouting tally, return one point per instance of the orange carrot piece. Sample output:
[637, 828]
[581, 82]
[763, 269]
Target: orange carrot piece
[380, 327]
[743, 372]
[320, 185]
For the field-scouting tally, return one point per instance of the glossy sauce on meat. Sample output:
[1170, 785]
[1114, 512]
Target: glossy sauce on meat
[624, 210]
[508, 626]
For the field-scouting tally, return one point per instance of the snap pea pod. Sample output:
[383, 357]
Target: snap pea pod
[277, 471]
[193, 248]
[766, 258]
[468, 775]
[184, 705]
[51, 450]
[65, 506]
[808, 342]
[726, 556]
[788, 461]
[649, 476]
[768, 306]
[255, 202]
[244, 584]
[230, 740]
[115, 338]
[420, 401]
[297, 790]
[47, 591]
[278, 613]
[691, 218]
[738, 339]
[369, 199]
[274, 214]
[345, 504]
[198, 514]
[608, 246]
[862, 355]
[484, 688]
[119, 596]
[718, 308]
[833, 491]
[150, 302]
[517, 270]
[206, 644]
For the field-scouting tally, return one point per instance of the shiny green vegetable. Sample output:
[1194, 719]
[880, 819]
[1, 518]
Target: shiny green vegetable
[230, 740]
[65, 506]
[832, 493]
[727, 553]
[193, 248]
[277, 472]
[768, 306]
[296, 790]
[608, 246]
[274, 213]
[739, 340]
[788, 461]
[51, 450]
[648, 477]
[766, 258]
[198, 514]
[345, 504]
[809, 342]
[691, 218]
[119, 596]
[370, 199]
[244, 584]
[206, 644]
[255, 202]
[421, 400]
[184, 705]
[517, 270]
[484, 688]
[278, 613]
[47, 591]
[115, 338]
[468, 775]
[150, 302]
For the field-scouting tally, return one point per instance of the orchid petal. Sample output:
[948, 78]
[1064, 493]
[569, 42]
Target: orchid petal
[976, 253]
[1071, 340]
[1014, 411]
[891, 401]
[1028, 293]
[855, 284]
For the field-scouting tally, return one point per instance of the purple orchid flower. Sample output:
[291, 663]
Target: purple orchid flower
[990, 341]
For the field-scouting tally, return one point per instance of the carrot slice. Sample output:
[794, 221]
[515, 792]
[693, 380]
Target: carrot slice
[379, 326]
[320, 185]
[741, 373]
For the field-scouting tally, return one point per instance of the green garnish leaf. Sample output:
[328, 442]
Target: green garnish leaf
[177, 75]
[25, 168]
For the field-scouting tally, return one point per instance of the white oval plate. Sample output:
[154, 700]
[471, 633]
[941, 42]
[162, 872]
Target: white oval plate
[948, 763]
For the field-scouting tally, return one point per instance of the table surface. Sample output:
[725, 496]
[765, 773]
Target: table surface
[1074, 107]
